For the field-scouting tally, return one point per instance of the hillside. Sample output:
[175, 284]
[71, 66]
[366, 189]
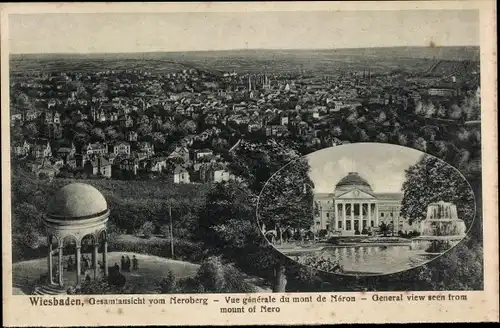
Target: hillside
[131, 204]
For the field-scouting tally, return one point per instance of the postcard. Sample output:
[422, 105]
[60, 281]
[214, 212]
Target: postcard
[250, 163]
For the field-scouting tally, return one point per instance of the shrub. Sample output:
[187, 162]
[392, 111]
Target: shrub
[147, 229]
[321, 263]
[356, 232]
[168, 284]
[215, 277]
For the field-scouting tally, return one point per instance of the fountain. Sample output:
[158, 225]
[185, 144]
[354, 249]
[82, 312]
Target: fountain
[441, 230]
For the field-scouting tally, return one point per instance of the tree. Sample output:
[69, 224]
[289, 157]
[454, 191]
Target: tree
[420, 144]
[455, 112]
[31, 130]
[286, 200]
[147, 229]
[432, 180]
[189, 126]
[382, 137]
[167, 127]
[83, 126]
[226, 220]
[98, 134]
[402, 139]
[144, 129]
[384, 229]
[337, 131]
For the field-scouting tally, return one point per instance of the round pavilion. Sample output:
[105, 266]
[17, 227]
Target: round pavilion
[75, 212]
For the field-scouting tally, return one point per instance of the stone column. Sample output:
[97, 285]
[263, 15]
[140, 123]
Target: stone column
[370, 214]
[352, 217]
[94, 259]
[61, 282]
[361, 217]
[49, 259]
[105, 258]
[344, 217]
[336, 225]
[376, 215]
[78, 264]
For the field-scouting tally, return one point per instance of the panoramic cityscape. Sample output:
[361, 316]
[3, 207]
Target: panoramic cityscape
[140, 169]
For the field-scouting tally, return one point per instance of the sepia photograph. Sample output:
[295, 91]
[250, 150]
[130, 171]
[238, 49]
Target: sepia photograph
[205, 151]
[376, 209]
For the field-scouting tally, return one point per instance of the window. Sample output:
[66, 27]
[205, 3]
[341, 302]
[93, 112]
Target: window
[327, 215]
[340, 224]
[382, 214]
[372, 224]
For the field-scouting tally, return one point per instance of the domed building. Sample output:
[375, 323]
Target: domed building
[76, 212]
[354, 206]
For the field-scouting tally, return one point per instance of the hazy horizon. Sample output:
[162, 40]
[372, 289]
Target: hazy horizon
[105, 33]
[237, 50]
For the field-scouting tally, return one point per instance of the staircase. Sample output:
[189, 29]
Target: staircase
[49, 290]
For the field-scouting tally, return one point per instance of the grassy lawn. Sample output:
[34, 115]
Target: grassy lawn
[151, 270]
[143, 281]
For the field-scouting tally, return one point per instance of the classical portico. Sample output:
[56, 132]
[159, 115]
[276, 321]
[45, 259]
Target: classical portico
[76, 212]
[353, 214]
[354, 207]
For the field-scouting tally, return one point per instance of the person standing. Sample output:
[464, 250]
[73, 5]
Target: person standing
[70, 263]
[123, 264]
[127, 259]
[135, 264]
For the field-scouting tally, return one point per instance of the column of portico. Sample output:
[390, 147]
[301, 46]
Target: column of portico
[50, 252]
[78, 264]
[344, 215]
[352, 216]
[105, 257]
[363, 215]
[61, 264]
[94, 258]
[369, 214]
[376, 214]
[336, 220]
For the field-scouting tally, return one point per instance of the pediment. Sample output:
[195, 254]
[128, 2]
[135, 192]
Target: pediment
[355, 194]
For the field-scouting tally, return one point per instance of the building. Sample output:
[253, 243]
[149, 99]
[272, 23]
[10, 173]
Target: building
[180, 175]
[21, 148]
[201, 153]
[181, 153]
[132, 136]
[66, 151]
[75, 212]
[99, 165]
[442, 92]
[276, 130]
[354, 207]
[146, 147]
[40, 148]
[219, 175]
[120, 147]
[95, 149]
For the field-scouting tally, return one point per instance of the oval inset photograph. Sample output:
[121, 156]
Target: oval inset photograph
[366, 209]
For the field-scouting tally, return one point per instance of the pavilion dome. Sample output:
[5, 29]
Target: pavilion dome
[77, 201]
[353, 181]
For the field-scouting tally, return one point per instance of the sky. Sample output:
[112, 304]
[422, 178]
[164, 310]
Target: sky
[382, 165]
[144, 32]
